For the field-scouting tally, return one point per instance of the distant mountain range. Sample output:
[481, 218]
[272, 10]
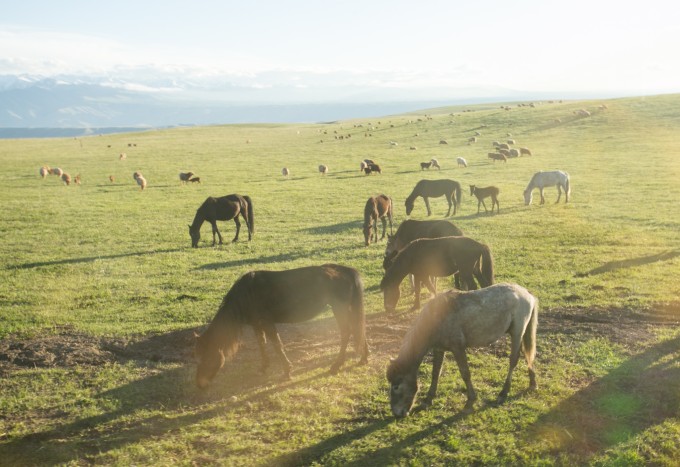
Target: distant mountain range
[33, 106]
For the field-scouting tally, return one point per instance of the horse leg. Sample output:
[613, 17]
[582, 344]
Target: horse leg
[461, 359]
[375, 229]
[437, 363]
[479, 202]
[384, 223]
[429, 285]
[542, 197]
[261, 342]
[498, 205]
[345, 332]
[483, 204]
[215, 230]
[515, 344]
[416, 291]
[238, 228]
[427, 205]
[275, 339]
[559, 193]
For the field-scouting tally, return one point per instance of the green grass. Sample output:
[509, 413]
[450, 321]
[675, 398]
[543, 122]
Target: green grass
[105, 262]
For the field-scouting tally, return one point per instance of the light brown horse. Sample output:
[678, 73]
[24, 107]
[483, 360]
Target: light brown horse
[455, 321]
[486, 192]
[377, 207]
[449, 189]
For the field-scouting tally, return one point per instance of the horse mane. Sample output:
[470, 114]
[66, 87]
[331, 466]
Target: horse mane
[400, 266]
[421, 336]
[232, 315]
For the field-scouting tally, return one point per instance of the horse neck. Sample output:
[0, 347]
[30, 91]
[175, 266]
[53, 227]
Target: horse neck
[423, 334]
[199, 218]
[397, 271]
[414, 194]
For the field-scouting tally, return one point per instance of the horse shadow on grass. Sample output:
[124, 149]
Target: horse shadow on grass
[333, 229]
[90, 259]
[630, 263]
[637, 395]
[166, 402]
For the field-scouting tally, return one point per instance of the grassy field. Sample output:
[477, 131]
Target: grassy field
[100, 292]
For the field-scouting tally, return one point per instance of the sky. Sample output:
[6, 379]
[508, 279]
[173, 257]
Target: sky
[624, 46]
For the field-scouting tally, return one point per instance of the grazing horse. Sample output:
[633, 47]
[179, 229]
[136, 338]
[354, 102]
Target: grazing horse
[410, 230]
[481, 193]
[185, 176]
[450, 189]
[223, 209]
[377, 207]
[541, 180]
[455, 321]
[263, 298]
[437, 257]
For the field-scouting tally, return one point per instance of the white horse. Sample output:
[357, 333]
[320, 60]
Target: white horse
[541, 180]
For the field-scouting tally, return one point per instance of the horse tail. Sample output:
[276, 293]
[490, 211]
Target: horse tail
[567, 187]
[487, 266]
[251, 215]
[529, 338]
[359, 315]
[459, 194]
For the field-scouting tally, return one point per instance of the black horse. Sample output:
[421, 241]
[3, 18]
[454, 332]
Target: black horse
[263, 298]
[223, 209]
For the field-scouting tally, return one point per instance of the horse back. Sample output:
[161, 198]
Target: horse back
[297, 295]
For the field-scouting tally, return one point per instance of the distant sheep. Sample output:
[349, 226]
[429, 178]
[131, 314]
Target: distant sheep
[76, 179]
[472, 139]
[285, 172]
[372, 168]
[443, 141]
[323, 170]
[57, 171]
[195, 180]
[435, 163]
[514, 152]
[503, 146]
[362, 166]
[122, 156]
[66, 178]
[44, 171]
[394, 143]
[461, 162]
[510, 141]
[505, 152]
[525, 151]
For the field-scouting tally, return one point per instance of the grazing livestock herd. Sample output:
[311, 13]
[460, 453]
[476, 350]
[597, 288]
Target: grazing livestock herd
[453, 320]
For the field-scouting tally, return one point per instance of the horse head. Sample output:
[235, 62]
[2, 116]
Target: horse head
[195, 235]
[527, 197]
[409, 206]
[403, 387]
[210, 360]
[391, 296]
[472, 190]
[367, 233]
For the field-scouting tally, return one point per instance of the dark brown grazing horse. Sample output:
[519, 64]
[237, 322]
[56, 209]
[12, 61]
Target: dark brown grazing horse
[450, 189]
[438, 257]
[263, 298]
[223, 209]
[377, 207]
[486, 192]
[410, 230]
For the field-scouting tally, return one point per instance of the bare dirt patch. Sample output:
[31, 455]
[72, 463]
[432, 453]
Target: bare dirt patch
[304, 342]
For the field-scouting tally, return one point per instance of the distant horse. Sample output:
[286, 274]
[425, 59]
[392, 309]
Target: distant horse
[377, 207]
[450, 189]
[541, 180]
[497, 157]
[223, 209]
[481, 193]
[372, 168]
[437, 257]
[185, 176]
[263, 298]
[455, 321]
